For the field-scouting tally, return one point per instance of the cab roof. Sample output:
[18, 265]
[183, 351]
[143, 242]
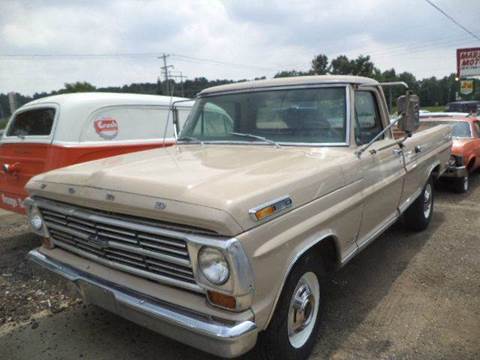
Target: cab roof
[290, 81]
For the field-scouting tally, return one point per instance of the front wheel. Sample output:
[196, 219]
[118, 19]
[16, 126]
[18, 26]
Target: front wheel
[293, 329]
[418, 215]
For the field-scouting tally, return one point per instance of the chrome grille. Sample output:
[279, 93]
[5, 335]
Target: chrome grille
[151, 252]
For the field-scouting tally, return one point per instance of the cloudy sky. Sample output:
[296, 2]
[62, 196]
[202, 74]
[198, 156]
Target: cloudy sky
[116, 42]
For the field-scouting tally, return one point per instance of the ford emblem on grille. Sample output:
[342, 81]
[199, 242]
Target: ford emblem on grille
[97, 242]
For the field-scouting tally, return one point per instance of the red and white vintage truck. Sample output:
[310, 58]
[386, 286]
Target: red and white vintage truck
[61, 130]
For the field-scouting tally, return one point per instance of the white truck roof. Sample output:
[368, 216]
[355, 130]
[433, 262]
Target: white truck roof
[75, 110]
[291, 81]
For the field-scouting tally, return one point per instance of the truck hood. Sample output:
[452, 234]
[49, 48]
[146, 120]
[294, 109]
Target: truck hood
[208, 186]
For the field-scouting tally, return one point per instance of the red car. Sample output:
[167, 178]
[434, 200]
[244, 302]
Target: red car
[465, 158]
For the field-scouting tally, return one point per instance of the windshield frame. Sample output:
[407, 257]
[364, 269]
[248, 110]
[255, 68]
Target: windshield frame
[345, 143]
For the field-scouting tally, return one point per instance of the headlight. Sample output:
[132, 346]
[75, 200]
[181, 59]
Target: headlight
[452, 161]
[213, 265]
[36, 222]
[455, 161]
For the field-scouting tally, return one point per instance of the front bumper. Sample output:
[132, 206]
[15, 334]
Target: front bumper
[455, 172]
[227, 340]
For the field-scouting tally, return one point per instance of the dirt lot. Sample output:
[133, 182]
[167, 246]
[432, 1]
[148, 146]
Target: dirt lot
[407, 296]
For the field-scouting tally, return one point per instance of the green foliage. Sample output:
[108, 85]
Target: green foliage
[77, 87]
[3, 123]
[291, 73]
[320, 65]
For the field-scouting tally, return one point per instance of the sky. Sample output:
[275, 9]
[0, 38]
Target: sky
[44, 44]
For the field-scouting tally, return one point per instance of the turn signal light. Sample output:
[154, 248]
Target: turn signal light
[265, 212]
[222, 300]
[268, 210]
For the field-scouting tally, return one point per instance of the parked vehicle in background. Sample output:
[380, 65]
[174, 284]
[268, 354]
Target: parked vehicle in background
[465, 158]
[470, 107]
[62, 130]
[222, 241]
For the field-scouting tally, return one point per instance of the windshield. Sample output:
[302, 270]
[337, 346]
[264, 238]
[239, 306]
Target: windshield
[275, 116]
[459, 128]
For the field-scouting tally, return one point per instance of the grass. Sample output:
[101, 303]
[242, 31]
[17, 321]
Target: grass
[434, 108]
[3, 123]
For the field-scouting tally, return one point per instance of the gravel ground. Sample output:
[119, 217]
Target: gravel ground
[407, 296]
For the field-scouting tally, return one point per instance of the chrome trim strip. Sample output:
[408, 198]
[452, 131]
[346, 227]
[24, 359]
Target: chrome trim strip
[198, 330]
[377, 231]
[409, 201]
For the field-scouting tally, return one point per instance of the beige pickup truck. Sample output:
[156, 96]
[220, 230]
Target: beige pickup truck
[222, 241]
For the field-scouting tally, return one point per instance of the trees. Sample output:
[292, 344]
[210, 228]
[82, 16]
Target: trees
[320, 64]
[432, 91]
[77, 87]
[290, 73]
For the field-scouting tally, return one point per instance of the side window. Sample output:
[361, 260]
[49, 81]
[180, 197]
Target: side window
[37, 122]
[214, 122]
[129, 122]
[368, 122]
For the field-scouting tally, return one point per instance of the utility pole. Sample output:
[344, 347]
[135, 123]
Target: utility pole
[165, 68]
[181, 82]
[181, 77]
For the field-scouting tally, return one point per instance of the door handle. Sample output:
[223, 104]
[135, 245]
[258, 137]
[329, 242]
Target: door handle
[418, 149]
[11, 168]
[397, 152]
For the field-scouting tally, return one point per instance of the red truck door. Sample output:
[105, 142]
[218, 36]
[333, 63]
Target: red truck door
[24, 151]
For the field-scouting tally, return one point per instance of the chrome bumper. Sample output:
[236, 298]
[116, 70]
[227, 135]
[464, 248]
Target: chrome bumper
[456, 172]
[221, 339]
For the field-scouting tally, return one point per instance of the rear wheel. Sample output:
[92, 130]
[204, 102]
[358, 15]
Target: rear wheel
[418, 215]
[461, 185]
[293, 329]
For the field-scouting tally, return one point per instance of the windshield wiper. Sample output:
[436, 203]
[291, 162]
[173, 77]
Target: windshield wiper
[261, 138]
[190, 139]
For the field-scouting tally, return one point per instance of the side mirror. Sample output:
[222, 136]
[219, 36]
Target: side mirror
[409, 111]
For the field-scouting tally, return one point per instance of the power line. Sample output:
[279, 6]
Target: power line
[452, 19]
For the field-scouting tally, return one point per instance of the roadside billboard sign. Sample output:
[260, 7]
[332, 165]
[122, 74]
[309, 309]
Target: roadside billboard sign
[468, 62]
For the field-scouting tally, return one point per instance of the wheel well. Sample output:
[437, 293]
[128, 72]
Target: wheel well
[327, 250]
[471, 164]
[329, 253]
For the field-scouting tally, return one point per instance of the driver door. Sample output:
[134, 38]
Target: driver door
[382, 168]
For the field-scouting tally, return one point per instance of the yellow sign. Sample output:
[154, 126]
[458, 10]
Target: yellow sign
[466, 87]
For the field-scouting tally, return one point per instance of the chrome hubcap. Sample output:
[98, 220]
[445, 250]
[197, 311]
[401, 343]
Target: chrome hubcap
[303, 310]
[303, 302]
[427, 200]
